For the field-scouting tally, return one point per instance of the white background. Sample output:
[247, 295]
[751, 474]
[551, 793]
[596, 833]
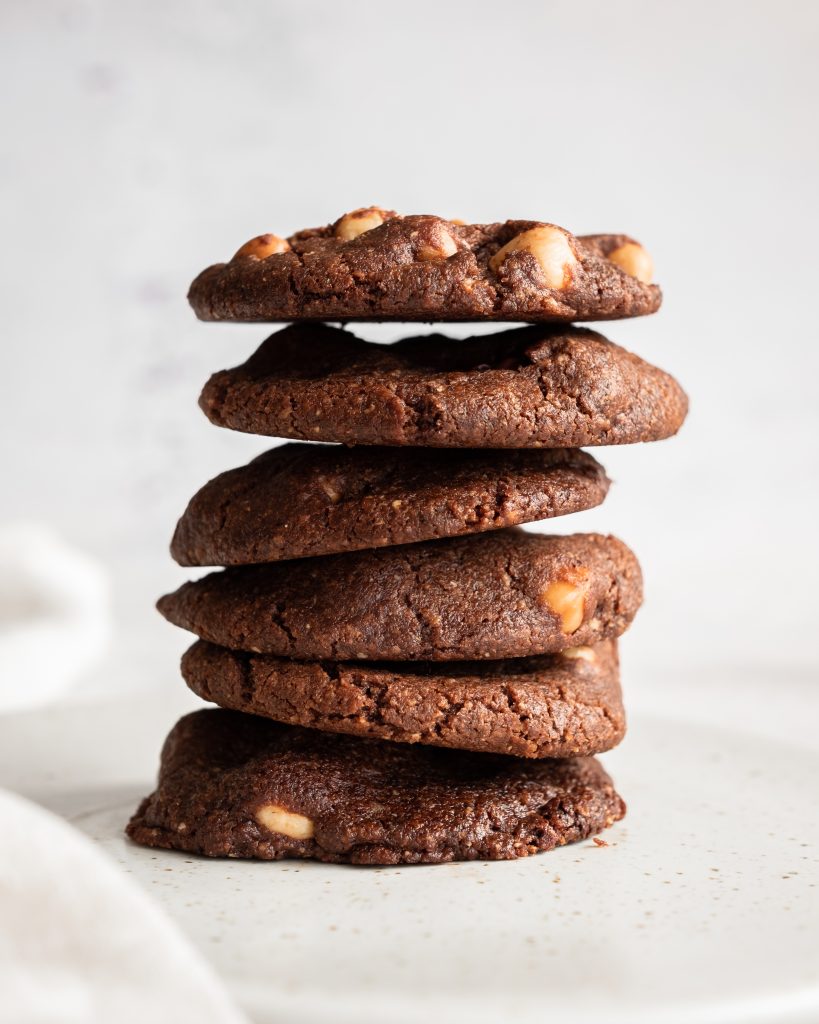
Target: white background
[143, 140]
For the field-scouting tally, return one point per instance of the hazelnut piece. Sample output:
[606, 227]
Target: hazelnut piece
[549, 246]
[263, 246]
[355, 223]
[439, 246]
[566, 598]
[275, 818]
[330, 489]
[634, 259]
[579, 654]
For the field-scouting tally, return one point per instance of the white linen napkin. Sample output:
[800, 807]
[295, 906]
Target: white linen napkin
[82, 944]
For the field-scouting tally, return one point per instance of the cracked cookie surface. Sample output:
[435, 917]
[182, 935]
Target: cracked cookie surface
[300, 500]
[234, 785]
[502, 594]
[429, 268]
[529, 387]
[559, 705]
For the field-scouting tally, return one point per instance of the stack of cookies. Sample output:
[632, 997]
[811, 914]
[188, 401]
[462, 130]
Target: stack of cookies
[403, 674]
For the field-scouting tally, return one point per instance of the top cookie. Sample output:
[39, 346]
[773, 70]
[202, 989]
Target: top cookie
[372, 264]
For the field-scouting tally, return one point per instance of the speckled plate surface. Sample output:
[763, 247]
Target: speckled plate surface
[701, 908]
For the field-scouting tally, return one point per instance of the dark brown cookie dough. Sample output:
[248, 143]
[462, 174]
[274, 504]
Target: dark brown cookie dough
[233, 785]
[428, 268]
[554, 705]
[300, 499]
[530, 387]
[504, 594]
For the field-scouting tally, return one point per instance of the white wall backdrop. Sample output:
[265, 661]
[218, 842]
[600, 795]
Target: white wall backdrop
[143, 140]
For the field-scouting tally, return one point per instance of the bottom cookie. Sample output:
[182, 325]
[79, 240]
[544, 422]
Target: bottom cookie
[234, 785]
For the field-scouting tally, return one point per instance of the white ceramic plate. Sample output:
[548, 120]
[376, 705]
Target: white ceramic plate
[703, 907]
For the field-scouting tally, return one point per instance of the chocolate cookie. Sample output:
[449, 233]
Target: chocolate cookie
[374, 265]
[558, 705]
[233, 785]
[301, 499]
[531, 387]
[504, 594]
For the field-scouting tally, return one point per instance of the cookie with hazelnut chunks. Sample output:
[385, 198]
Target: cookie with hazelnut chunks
[528, 387]
[233, 785]
[554, 705]
[504, 594]
[373, 264]
[300, 500]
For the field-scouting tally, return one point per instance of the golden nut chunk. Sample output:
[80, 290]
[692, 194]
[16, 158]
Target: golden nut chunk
[579, 654]
[567, 600]
[287, 823]
[439, 247]
[634, 259]
[263, 246]
[551, 249]
[357, 222]
[330, 489]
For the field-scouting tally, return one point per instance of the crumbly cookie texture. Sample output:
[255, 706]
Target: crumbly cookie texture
[503, 594]
[529, 387]
[299, 500]
[234, 785]
[373, 264]
[559, 705]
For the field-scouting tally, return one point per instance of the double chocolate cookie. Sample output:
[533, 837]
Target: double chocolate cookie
[559, 705]
[300, 500]
[233, 785]
[404, 675]
[531, 387]
[374, 265]
[496, 595]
